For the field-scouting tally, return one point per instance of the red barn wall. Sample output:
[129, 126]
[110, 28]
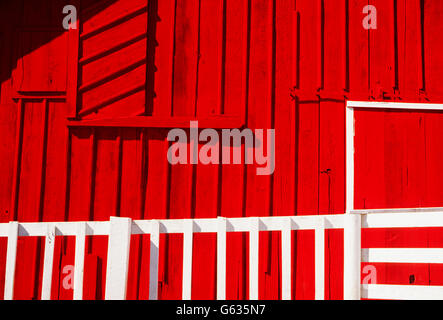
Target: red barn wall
[283, 64]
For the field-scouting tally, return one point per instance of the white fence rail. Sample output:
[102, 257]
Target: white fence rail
[402, 218]
[120, 230]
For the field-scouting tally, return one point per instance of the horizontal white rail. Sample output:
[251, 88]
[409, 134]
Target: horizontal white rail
[401, 292]
[395, 105]
[403, 220]
[403, 255]
[97, 228]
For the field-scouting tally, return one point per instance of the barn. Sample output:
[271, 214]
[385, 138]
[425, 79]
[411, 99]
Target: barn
[90, 207]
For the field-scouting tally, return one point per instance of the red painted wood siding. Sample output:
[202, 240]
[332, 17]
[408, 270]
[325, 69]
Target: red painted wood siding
[283, 64]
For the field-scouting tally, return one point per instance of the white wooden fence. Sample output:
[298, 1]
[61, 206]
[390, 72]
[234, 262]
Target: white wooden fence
[120, 230]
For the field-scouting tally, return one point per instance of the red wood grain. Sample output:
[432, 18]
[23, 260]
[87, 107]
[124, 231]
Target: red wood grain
[84, 118]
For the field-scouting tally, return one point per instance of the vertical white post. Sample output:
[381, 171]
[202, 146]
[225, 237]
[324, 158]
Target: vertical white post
[352, 257]
[350, 132]
[188, 236]
[11, 256]
[320, 259]
[286, 282]
[79, 260]
[153, 260]
[118, 258]
[48, 262]
[221, 258]
[253, 258]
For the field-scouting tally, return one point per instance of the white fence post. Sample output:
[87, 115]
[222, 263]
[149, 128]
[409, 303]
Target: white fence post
[118, 258]
[80, 239]
[253, 258]
[286, 256]
[350, 132]
[352, 257]
[11, 256]
[48, 262]
[188, 236]
[153, 259]
[320, 259]
[221, 258]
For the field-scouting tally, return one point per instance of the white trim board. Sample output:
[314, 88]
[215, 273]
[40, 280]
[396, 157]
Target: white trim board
[395, 105]
[350, 133]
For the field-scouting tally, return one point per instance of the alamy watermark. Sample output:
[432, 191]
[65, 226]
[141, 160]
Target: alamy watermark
[212, 152]
[70, 20]
[370, 21]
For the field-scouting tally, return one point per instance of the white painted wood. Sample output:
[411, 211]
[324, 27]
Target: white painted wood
[119, 243]
[80, 240]
[221, 258]
[320, 259]
[153, 259]
[402, 292]
[350, 133]
[38, 229]
[286, 244]
[403, 255]
[394, 105]
[118, 258]
[404, 220]
[48, 262]
[11, 256]
[352, 257]
[4, 229]
[399, 210]
[188, 236]
[253, 258]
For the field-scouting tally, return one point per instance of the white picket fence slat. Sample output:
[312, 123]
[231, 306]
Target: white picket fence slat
[120, 230]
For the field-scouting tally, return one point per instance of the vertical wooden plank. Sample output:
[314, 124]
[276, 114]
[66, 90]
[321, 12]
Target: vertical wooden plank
[261, 110]
[104, 194]
[48, 262]
[206, 176]
[233, 185]
[358, 42]
[72, 67]
[350, 132]
[17, 158]
[186, 58]
[153, 260]
[285, 110]
[320, 259]
[81, 180]
[308, 170]
[382, 47]
[130, 200]
[156, 205]
[56, 185]
[9, 127]
[332, 154]
[221, 258]
[187, 259]
[286, 257]
[11, 255]
[410, 73]
[82, 171]
[352, 257]
[118, 258]
[253, 258]
[163, 45]
[80, 239]
[182, 176]
[285, 123]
